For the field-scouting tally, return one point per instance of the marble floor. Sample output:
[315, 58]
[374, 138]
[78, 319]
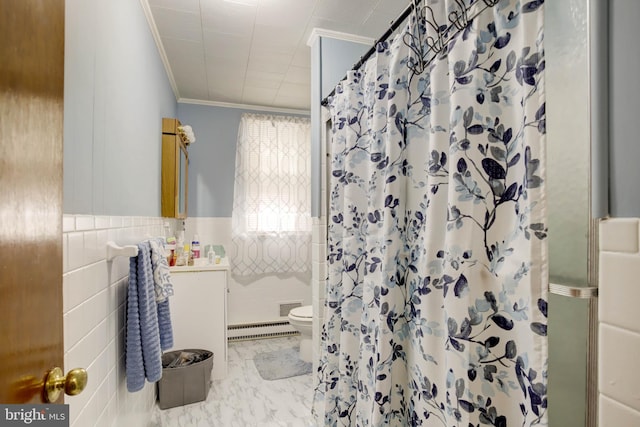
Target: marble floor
[244, 399]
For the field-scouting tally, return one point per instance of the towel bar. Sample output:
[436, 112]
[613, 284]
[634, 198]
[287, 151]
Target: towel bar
[114, 250]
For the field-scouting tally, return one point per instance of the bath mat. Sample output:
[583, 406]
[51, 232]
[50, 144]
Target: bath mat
[279, 364]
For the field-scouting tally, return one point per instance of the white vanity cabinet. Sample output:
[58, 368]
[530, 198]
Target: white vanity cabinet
[199, 311]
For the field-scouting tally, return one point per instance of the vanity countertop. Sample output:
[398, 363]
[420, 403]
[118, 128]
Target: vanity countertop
[224, 265]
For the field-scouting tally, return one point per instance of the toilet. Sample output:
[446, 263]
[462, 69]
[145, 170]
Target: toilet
[301, 319]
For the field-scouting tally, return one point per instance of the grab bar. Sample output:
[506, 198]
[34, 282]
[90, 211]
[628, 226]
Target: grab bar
[581, 292]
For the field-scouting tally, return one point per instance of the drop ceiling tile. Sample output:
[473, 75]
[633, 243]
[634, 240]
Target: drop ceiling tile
[227, 92]
[192, 6]
[236, 64]
[392, 8]
[285, 13]
[382, 16]
[268, 66]
[295, 96]
[193, 88]
[293, 89]
[302, 57]
[289, 36]
[298, 75]
[225, 72]
[256, 78]
[228, 26]
[225, 76]
[221, 97]
[263, 84]
[270, 63]
[377, 24]
[298, 101]
[258, 95]
[227, 81]
[257, 54]
[183, 51]
[352, 11]
[271, 55]
[226, 46]
[177, 25]
[264, 48]
[187, 67]
[290, 104]
[227, 17]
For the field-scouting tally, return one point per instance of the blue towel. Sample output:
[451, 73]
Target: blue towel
[164, 323]
[148, 323]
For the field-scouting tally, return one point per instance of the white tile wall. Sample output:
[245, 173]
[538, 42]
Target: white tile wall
[319, 258]
[619, 331]
[613, 413]
[257, 300]
[94, 292]
[319, 275]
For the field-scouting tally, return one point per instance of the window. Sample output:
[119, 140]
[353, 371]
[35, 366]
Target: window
[272, 205]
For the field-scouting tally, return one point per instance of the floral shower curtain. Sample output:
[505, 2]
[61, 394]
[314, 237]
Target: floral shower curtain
[437, 286]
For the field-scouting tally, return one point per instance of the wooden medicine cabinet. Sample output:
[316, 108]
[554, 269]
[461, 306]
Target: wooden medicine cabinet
[175, 168]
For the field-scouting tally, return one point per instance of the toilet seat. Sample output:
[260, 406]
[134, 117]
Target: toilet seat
[304, 312]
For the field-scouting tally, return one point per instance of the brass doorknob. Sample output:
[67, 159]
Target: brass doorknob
[56, 382]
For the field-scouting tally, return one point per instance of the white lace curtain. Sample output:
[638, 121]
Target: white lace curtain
[271, 220]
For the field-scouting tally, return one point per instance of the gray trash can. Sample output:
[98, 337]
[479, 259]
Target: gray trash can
[186, 376]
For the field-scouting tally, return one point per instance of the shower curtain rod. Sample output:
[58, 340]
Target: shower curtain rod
[394, 26]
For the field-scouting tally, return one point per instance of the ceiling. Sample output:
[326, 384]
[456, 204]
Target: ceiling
[254, 52]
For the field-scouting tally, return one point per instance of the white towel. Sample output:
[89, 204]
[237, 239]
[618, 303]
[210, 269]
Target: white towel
[161, 275]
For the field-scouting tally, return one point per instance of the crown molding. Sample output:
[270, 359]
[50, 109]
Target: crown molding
[243, 106]
[316, 33]
[163, 55]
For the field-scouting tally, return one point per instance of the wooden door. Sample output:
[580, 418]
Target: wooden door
[31, 131]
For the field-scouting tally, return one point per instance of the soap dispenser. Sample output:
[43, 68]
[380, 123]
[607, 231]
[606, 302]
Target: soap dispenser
[195, 247]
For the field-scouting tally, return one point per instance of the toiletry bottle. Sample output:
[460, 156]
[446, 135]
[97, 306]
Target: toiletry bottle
[170, 250]
[211, 255]
[195, 247]
[179, 255]
[187, 255]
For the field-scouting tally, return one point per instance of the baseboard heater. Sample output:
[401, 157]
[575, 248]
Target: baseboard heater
[262, 330]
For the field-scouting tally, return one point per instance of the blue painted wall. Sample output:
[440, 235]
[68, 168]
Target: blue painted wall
[331, 59]
[316, 132]
[624, 104]
[338, 57]
[116, 93]
[212, 158]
